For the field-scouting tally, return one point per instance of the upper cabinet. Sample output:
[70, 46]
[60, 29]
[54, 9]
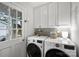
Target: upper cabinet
[63, 13]
[75, 14]
[52, 14]
[41, 17]
[44, 16]
[37, 17]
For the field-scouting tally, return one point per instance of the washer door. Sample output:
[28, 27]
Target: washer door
[55, 53]
[33, 50]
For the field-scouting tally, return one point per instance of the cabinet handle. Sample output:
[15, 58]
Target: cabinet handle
[23, 40]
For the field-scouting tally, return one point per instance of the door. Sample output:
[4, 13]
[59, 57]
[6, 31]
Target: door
[63, 13]
[19, 50]
[37, 17]
[44, 16]
[52, 14]
[5, 52]
[55, 53]
[33, 50]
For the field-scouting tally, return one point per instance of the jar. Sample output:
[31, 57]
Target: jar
[53, 35]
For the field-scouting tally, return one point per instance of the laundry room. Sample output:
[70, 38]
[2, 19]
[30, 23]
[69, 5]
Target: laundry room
[39, 29]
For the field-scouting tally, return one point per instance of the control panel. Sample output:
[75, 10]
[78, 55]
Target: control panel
[57, 45]
[39, 41]
[69, 47]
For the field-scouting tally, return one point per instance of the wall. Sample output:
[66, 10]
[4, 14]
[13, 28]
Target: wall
[75, 25]
[29, 24]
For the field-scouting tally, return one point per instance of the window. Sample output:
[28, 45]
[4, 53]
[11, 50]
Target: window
[3, 26]
[10, 23]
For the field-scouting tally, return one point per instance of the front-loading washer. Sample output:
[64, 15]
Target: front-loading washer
[35, 46]
[55, 48]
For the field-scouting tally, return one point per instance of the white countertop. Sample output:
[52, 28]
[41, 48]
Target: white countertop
[61, 41]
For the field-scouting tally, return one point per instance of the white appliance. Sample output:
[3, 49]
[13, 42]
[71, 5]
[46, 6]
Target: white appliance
[35, 46]
[59, 48]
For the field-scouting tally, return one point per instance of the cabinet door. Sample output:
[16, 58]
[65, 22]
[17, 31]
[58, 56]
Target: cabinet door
[52, 14]
[63, 13]
[5, 52]
[22, 49]
[44, 16]
[75, 14]
[37, 17]
[19, 50]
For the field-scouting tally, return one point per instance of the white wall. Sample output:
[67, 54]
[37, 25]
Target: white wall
[75, 25]
[29, 24]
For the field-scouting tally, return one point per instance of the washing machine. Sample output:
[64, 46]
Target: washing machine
[35, 46]
[56, 48]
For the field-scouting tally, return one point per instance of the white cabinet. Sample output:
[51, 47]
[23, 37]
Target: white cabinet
[13, 48]
[18, 50]
[75, 14]
[52, 14]
[5, 52]
[37, 17]
[44, 16]
[41, 17]
[63, 13]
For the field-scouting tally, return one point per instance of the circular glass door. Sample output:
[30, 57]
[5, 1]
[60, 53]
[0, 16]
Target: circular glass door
[55, 53]
[33, 50]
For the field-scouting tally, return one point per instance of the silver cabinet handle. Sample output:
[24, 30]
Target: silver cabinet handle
[23, 40]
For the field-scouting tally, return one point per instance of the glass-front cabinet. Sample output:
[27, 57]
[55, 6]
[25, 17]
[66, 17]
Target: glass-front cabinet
[16, 17]
[10, 23]
[19, 23]
[19, 20]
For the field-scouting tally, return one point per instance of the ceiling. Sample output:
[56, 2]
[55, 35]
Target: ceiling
[34, 4]
[31, 4]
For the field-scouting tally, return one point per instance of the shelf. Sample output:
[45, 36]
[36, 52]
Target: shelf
[19, 28]
[13, 28]
[12, 13]
[19, 32]
[13, 18]
[19, 15]
[19, 24]
[13, 34]
[13, 23]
